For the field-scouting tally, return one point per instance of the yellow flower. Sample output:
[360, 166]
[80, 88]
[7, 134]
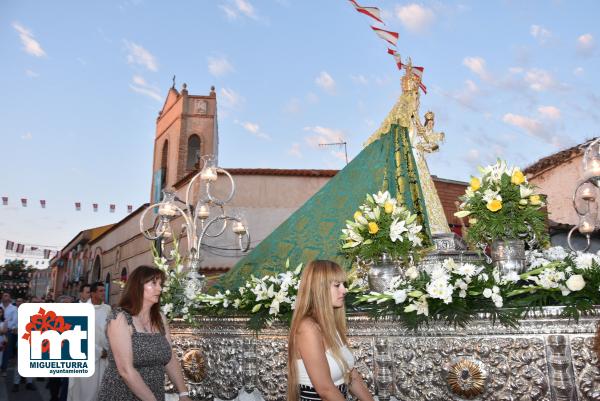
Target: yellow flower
[517, 178]
[357, 215]
[475, 184]
[373, 228]
[494, 205]
[535, 200]
[388, 207]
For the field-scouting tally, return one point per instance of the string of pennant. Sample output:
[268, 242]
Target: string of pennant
[16, 247]
[391, 37]
[95, 206]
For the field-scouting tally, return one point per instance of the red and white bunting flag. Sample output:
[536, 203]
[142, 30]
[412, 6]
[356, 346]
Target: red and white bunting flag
[389, 36]
[24, 202]
[129, 208]
[10, 245]
[78, 206]
[43, 203]
[95, 207]
[33, 248]
[20, 248]
[397, 57]
[372, 12]
[5, 200]
[418, 71]
[46, 253]
[112, 208]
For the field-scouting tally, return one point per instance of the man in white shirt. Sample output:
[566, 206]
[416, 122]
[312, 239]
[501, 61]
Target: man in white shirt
[11, 317]
[86, 388]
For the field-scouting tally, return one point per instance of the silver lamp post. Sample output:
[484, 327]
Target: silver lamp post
[586, 194]
[206, 217]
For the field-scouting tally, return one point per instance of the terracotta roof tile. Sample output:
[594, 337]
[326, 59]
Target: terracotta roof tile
[556, 159]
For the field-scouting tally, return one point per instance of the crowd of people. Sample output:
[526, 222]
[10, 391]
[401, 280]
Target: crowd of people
[320, 363]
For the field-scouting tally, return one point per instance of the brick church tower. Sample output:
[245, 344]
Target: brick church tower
[186, 129]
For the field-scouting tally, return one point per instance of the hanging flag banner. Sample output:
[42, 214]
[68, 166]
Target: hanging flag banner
[397, 57]
[43, 203]
[389, 36]
[95, 207]
[33, 248]
[20, 248]
[129, 208]
[46, 253]
[78, 206]
[372, 12]
[112, 208]
[5, 200]
[24, 202]
[10, 245]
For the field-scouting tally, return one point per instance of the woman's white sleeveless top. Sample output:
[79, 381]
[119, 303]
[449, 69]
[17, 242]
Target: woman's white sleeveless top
[337, 375]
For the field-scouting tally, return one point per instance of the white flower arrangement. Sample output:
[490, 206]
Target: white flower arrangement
[265, 299]
[455, 292]
[181, 288]
[381, 225]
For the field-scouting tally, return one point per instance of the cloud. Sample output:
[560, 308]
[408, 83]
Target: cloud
[534, 128]
[550, 112]
[578, 72]
[477, 66]
[27, 136]
[415, 17]
[295, 150]
[31, 74]
[231, 98]
[293, 106]
[235, 8]
[586, 44]
[139, 85]
[219, 66]
[323, 135]
[30, 45]
[539, 80]
[472, 157]
[254, 129]
[138, 55]
[467, 95]
[359, 79]
[540, 33]
[326, 82]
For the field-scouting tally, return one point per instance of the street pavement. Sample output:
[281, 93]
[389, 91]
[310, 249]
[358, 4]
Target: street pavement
[6, 386]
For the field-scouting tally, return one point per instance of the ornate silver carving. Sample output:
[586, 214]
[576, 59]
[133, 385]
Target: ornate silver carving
[528, 363]
[508, 256]
[383, 370]
[445, 242]
[382, 272]
[559, 368]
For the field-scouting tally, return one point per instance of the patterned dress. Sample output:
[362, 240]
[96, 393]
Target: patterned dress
[151, 352]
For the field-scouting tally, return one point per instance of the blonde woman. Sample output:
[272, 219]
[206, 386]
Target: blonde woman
[320, 364]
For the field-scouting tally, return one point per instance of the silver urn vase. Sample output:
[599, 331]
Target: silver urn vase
[381, 273]
[508, 256]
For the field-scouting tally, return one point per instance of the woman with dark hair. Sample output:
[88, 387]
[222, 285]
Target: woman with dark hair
[140, 343]
[320, 363]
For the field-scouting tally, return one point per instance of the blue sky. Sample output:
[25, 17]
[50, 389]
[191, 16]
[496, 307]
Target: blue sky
[83, 83]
